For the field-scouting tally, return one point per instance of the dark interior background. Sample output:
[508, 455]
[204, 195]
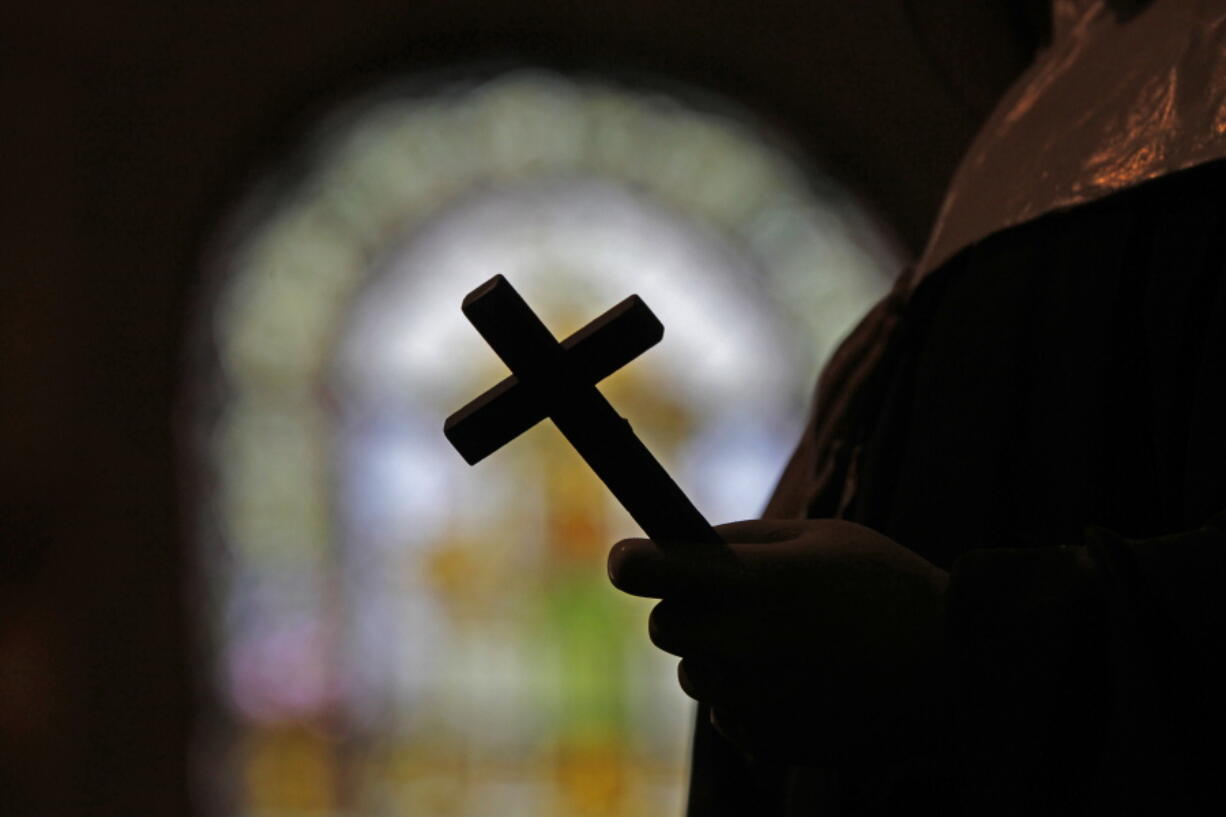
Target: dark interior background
[128, 127]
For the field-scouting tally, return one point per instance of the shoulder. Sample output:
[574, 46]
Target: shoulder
[1112, 103]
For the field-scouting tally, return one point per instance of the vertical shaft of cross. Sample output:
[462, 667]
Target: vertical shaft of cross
[603, 438]
[634, 476]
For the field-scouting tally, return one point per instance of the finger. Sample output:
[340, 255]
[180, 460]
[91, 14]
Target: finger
[703, 680]
[759, 531]
[673, 630]
[688, 627]
[639, 567]
[731, 724]
[727, 626]
[746, 729]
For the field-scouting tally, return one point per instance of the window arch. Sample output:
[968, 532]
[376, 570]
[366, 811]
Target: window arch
[395, 632]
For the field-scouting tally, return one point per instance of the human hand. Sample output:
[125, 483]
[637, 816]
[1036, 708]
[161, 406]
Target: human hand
[813, 640]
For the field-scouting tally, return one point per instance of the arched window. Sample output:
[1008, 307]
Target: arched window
[393, 632]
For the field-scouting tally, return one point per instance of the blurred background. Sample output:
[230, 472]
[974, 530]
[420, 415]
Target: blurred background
[242, 572]
[391, 631]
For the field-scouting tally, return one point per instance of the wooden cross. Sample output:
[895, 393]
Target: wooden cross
[558, 381]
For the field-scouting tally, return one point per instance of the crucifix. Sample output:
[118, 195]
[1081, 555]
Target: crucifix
[558, 381]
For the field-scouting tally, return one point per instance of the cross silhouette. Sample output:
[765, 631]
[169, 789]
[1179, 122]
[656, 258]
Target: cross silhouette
[558, 381]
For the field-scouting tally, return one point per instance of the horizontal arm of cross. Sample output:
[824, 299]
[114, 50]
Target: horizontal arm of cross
[591, 354]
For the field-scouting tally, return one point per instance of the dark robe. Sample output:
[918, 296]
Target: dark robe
[1045, 416]
[1040, 407]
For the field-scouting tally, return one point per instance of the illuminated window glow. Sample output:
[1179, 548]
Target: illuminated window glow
[395, 632]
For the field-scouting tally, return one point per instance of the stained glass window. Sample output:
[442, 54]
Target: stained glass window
[391, 631]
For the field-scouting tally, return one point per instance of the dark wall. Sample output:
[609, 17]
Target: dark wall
[127, 127]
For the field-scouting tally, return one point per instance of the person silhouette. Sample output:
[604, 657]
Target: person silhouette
[988, 581]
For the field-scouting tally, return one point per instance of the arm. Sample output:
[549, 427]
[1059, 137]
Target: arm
[1082, 667]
